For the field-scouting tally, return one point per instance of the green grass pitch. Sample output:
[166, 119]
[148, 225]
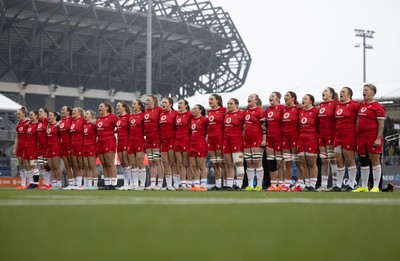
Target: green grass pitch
[164, 225]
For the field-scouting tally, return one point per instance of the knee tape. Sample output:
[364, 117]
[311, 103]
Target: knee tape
[287, 156]
[156, 155]
[257, 156]
[247, 156]
[323, 156]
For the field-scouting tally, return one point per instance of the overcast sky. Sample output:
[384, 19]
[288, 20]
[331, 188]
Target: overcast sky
[310, 43]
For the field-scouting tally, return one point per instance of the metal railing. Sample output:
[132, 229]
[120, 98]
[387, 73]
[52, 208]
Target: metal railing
[7, 135]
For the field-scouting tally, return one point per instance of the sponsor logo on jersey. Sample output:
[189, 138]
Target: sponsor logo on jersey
[48, 131]
[99, 124]
[286, 115]
[363, 109]
[211, 118]
[304, 120]
[178, 120]
[163, 117]
[228, 120]
[193, 126]
[118, 123]
[339, 112]
[72, 126]
[39, 126]
[133, 122]
[147, 116]
[248, 117]
[322, 110]
[61, 125]
[270, 114]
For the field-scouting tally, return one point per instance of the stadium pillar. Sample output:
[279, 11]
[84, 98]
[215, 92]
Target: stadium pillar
[149, 47]
[50, 103]
[78, 102]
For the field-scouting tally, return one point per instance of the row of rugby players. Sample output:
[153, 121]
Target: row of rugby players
[177, 142]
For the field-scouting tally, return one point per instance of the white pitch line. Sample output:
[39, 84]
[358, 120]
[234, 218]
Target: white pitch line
[93, 200]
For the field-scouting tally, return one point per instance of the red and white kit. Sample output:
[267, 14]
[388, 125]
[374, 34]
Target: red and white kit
[53, 141]
[290, 127]
[105, 127]
[42, 136]
[182, 135]
[273, 117]
[77, 136]
[136, 133]
[346, 120]
[253, 132]
[327, 122]
[233, 132]
[65, 126]
[216, 128]
[151, 127]
[167, 130]
[31, 142]
[21, 134]
[198, 144]
[368, 116]
[89, 140]
[308, 133]
[123, 132]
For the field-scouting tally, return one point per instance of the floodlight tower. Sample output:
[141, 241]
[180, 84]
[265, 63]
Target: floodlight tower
[364, 34]
[149, 47]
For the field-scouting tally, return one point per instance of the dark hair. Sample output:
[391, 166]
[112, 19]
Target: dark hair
[312, 99]
[69, 109]
[350, 91]
[278, 94]
[293, 95]
[109, 107]
[141, 104]
[45, 110]
[235, 100]
[155, 99]
[170, 101]
[125, 106]
[218, 98]
[187, 104]
[35, 112]
[203, 111]
[334, 94]
[56, 114]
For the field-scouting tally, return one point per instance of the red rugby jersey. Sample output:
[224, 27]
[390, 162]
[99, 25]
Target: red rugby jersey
[253, 119]
[233, 124]
[368, 116]
[167, 124]
[182, 124]
[216, 119]
[105, 127]
[273, 117]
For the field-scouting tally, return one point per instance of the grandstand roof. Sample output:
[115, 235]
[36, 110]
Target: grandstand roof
[101, 44]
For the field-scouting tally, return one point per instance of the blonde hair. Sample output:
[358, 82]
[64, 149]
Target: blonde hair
[372, 87]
